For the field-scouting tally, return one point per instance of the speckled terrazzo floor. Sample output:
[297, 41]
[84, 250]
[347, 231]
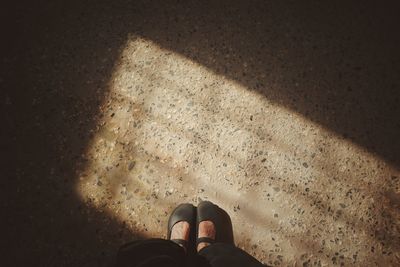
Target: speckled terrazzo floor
[284, 114]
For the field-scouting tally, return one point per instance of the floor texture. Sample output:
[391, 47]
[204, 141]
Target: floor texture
[285, 114]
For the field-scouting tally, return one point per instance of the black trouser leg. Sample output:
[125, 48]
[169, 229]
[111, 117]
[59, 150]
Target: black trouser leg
[151, 253]
[165, 253]
[224, 255]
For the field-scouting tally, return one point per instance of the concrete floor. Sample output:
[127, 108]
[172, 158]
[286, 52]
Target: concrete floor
[284, 114]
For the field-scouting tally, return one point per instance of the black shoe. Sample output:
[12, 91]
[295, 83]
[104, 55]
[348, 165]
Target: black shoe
[207, 211]
[184, 212]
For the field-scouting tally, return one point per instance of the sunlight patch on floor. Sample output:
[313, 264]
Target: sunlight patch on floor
[173, 131]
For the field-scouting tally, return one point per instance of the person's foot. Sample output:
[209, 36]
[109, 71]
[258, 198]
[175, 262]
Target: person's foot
[180, 223]
[206, 229]
[180, 230]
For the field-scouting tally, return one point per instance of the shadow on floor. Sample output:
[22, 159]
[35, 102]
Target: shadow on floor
[56, 64]
[335, 63]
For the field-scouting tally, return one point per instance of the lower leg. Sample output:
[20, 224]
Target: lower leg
[206, 229]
